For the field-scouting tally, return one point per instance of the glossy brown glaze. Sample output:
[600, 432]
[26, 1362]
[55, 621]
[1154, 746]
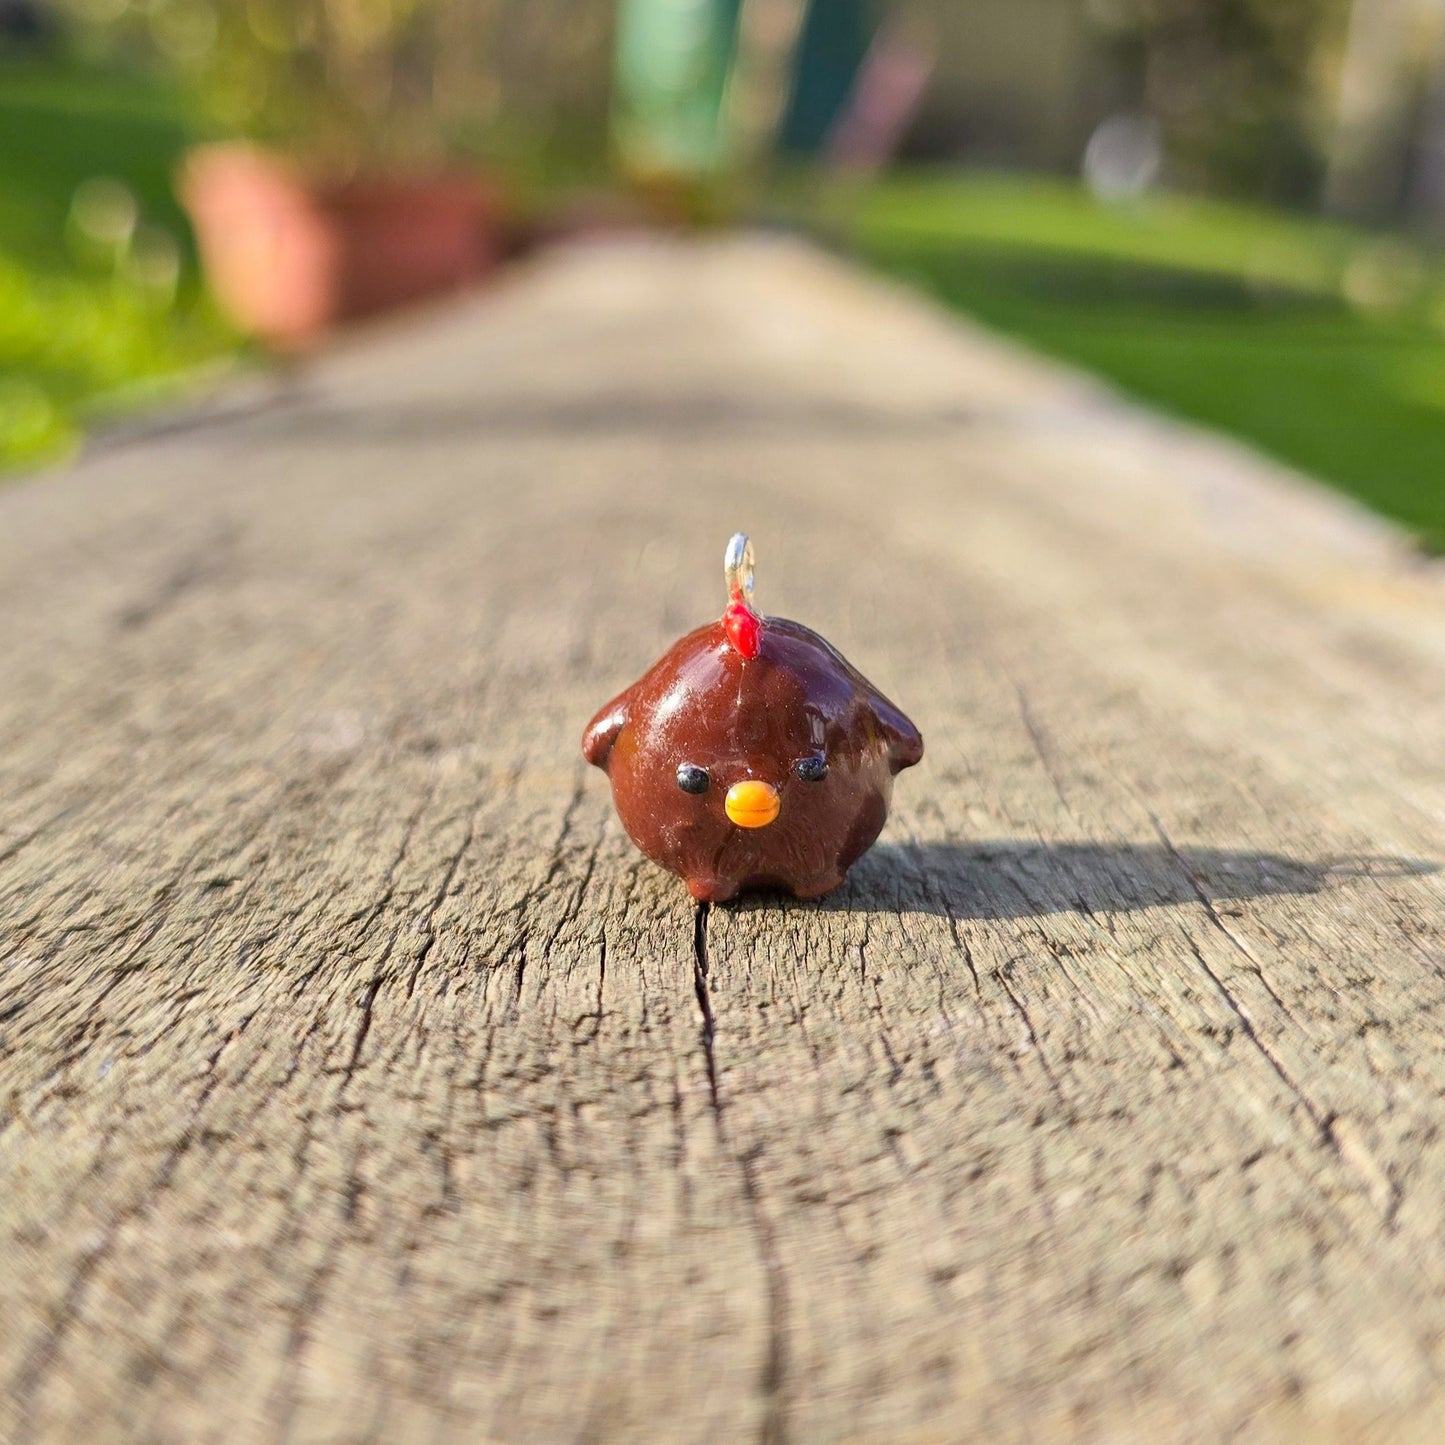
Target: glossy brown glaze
[753, 721]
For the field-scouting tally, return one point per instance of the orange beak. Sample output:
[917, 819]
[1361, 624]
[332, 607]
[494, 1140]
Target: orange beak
[752, 804]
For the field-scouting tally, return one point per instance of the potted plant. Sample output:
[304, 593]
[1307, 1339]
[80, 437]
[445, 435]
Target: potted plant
[342, 199]
[289, 254]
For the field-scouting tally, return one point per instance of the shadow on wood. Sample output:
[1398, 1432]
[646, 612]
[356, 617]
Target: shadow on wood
[1013, 878]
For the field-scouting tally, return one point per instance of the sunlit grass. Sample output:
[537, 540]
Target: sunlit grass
[100, 302]
[1322, 345]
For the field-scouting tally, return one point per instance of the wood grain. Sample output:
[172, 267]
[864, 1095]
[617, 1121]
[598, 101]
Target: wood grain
[359, 1082]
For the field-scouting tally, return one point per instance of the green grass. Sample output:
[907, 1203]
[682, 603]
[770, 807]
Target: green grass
[1321, 345]
[90, 323]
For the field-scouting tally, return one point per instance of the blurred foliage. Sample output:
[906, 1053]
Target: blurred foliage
[100, 303]
[365, 83]
[100, 298]
[1242, 89]
[1322, 345]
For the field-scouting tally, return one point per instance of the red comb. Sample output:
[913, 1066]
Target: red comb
[743, 626]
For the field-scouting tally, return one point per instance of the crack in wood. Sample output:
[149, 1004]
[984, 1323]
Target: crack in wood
[774, 1375]
[428, 920]
[704, 1001]
[1214, 916]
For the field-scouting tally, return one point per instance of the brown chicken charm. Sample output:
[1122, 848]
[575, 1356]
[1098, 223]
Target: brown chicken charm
[752, 755]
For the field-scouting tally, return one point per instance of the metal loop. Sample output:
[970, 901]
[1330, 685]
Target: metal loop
[738, 568]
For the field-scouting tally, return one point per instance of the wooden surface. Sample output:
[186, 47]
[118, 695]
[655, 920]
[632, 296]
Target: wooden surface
[358, 1081]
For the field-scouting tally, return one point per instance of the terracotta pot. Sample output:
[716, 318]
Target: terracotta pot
[288, 257]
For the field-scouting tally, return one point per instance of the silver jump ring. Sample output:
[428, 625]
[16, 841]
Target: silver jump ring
[738, 567]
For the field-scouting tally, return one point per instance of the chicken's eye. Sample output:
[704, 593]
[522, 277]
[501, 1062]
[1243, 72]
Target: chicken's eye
[691, 778]
[812, 769]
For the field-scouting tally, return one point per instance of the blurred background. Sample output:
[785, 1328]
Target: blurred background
[1233, 209]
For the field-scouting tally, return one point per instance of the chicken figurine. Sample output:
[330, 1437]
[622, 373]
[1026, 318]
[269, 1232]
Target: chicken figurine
[752, 755]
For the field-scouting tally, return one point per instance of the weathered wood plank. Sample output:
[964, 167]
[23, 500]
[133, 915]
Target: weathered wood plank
[357, 1081]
